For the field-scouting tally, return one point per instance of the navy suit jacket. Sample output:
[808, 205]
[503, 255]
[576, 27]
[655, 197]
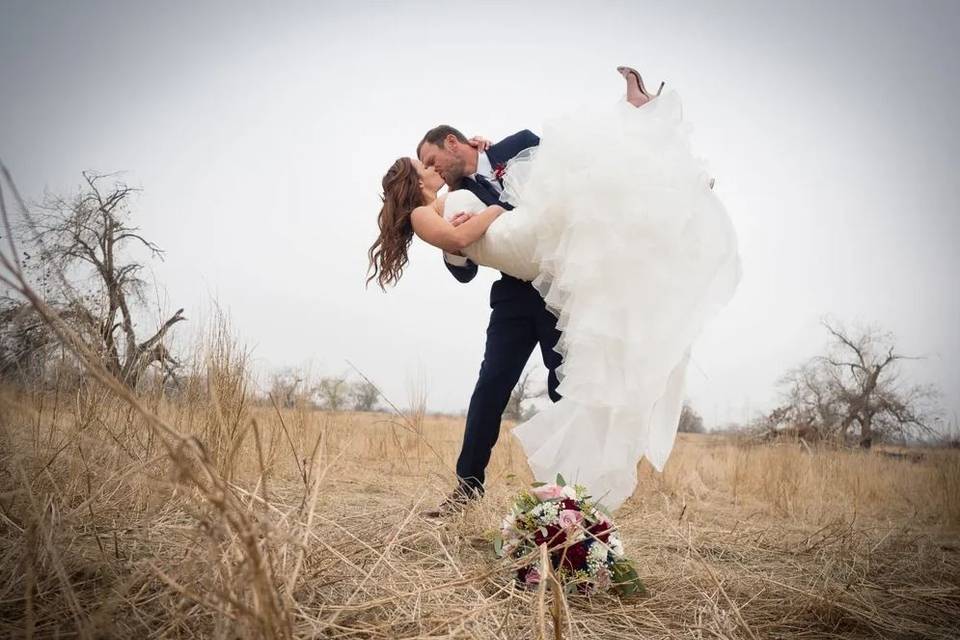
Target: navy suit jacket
[497, 154]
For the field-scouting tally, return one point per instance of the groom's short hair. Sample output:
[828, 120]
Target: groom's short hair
[437, 135]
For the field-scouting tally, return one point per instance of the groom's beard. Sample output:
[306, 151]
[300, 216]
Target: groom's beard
[455, 174]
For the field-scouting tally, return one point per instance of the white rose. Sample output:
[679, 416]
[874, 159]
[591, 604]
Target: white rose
[598, 551]
[616, 547]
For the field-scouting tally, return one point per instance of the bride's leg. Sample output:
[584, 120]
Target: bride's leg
[637, 94]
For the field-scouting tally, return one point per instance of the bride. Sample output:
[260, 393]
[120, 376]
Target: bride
[615, 224]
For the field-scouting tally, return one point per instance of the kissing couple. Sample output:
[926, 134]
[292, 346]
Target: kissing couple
[614, 252]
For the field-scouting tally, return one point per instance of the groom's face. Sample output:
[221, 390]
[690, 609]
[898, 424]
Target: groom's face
[446, 160]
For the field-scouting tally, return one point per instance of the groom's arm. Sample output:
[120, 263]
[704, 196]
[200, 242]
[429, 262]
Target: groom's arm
[461, 268]
[512, 145]
[525, 139]
[508, 148]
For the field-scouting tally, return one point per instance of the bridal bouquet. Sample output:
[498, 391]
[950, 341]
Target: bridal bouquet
[585, 551]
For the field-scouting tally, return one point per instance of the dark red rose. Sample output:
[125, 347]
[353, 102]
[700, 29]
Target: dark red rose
[499, 171]
[567, 503]
[600, 530]
[575, 558]
[554, 536]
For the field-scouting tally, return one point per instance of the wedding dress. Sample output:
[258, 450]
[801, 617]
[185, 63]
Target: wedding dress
[616, 226]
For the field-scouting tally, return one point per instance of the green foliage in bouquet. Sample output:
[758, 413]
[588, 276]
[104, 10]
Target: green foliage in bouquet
[585, 550]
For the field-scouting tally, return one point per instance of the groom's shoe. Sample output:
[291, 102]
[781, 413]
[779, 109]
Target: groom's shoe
[455, 503]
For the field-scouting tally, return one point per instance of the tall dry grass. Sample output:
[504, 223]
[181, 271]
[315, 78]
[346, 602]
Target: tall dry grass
[206, 515]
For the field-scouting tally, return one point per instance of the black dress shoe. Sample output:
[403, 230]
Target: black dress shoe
[455, 503]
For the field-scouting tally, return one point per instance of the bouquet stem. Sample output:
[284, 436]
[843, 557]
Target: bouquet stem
[556, 590]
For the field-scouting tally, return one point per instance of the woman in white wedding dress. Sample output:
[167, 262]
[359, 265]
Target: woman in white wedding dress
[616, 225]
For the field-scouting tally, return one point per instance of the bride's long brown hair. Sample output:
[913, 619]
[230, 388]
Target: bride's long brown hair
[401, 195]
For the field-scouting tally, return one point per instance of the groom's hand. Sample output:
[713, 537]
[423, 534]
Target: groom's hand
[460, 218]
[481, 143]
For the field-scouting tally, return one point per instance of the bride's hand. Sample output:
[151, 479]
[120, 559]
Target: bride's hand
[481, 143]
[460, 218]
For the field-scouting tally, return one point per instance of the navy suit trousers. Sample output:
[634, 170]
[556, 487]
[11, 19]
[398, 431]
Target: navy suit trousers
[518, 322]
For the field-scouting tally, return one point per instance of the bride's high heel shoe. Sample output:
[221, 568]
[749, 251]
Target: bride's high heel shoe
[639, 78]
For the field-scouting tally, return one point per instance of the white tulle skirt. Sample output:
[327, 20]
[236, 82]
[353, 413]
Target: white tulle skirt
[635, 254]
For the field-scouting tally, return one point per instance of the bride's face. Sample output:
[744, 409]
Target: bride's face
[429, 178]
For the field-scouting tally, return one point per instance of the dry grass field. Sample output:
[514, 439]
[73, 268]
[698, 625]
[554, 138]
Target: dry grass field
[225, 519]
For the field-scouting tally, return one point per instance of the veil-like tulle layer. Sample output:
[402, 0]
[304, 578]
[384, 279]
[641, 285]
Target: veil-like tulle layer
[636, 253]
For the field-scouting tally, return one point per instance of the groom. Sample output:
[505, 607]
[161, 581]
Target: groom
[519, 320]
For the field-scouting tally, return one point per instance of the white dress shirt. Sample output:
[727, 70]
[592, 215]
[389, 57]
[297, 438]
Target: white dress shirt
[485, 169]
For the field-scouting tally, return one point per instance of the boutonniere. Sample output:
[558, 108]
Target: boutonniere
[499, 171]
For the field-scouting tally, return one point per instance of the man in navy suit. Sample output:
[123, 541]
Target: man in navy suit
[519, 320]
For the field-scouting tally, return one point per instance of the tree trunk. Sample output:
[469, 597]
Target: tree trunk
[866, 433]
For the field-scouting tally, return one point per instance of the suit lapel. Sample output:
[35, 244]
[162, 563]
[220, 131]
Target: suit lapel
[486, 197]
[497, 154]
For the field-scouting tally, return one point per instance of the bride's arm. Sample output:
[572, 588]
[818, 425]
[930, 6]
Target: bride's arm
[436, 231]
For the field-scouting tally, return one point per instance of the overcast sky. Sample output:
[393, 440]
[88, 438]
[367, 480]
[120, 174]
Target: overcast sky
[259, 133]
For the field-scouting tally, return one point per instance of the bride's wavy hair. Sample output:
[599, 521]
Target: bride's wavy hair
[401, 195]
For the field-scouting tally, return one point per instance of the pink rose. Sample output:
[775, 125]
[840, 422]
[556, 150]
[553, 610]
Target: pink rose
[602, 580]
[547, 492]
[533, 576]
[602, 517]
[569, 518]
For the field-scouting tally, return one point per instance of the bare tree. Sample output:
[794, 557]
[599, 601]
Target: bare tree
[811, 399]
[288, 387]
[526, 389]
[951, 435]
[25, 342]
[333, 392]
[857, 386]
[29, 348]
[782, 422]
[85, 240]
[690, 420]
[364, 395]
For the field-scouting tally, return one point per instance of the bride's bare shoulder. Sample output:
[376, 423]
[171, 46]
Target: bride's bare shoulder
[435, 207]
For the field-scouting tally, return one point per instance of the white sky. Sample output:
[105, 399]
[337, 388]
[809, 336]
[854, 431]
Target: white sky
[260, 131]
